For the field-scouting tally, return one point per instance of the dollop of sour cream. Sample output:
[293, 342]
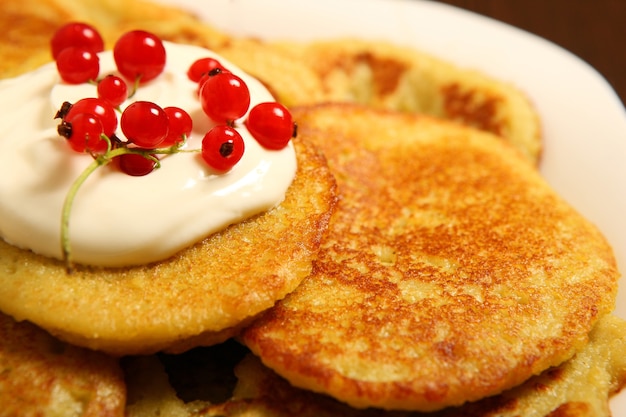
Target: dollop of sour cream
[116, 219]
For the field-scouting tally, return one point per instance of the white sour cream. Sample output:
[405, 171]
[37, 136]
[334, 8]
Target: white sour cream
[116, 219]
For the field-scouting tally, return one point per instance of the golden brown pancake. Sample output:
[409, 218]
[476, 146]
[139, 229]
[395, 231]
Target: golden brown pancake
[450, 272]
[41, 376]
[199, 296]
[389, 76]
[580, 387]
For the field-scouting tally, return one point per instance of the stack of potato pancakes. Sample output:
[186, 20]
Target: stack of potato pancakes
[418, 266]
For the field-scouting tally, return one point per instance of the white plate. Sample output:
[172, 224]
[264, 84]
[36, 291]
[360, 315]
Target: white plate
[584, 122]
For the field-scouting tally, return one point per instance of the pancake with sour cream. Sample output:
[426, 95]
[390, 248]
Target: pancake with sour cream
[177, 258]
[117, 219]
[450, 272]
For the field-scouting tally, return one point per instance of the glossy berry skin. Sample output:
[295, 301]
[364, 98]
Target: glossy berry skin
[139, 55]
[180, 125]
[99, 108]
[201, 82]
[222, 148]
[136, 165]
[271, 125]
[224, 97]
[77, 65]
[145, 124]
[113, 89]
[202, 67]
[76, 34]
[84, 133]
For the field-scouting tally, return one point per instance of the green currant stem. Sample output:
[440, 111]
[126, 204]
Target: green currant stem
[67, 208]
[135, 86]
[101, 160]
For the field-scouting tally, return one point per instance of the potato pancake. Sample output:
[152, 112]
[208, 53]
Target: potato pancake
[451, 271]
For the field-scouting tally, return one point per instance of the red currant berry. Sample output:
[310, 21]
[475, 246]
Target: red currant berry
[145, 124]
[135, 164]
[76, 34]
[224, 97]
[208, 75]
[77, 65]
[113, 89]
[84, 133]
[201, 82]
[222, 147]
[201, 67]
[139, 55]
[180, 125]
[271, 125]
[99, 108]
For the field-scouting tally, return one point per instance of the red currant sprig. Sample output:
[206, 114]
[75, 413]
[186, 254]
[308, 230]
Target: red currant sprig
[90, 124]
[83, 125]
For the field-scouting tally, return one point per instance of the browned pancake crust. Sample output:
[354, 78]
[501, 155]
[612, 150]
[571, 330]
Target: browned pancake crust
[384, 75]
[451, 271]
[41, 376]
[202, 294]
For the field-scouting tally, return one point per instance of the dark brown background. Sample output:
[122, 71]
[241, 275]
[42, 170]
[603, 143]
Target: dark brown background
[594, 30]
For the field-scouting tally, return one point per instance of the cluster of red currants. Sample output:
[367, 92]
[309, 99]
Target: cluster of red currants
[89, 125]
